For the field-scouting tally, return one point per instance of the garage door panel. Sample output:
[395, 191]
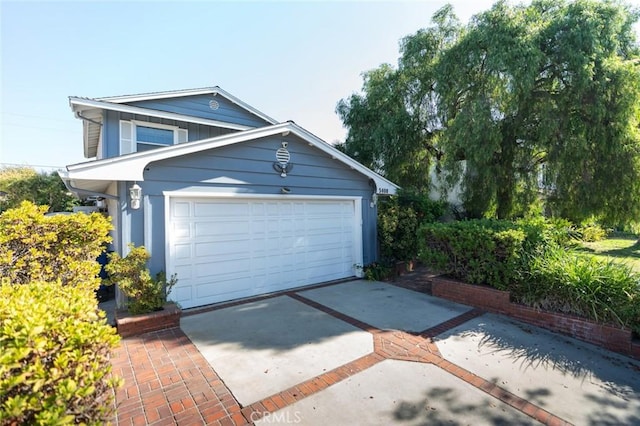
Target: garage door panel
[183, 252]
[230, 209]
[181, 209]
[184, 272]
[225, 249]
[325, 256]
[222, 227]
[181, 230]
[229, 287]
[181, 294]
[216, 268]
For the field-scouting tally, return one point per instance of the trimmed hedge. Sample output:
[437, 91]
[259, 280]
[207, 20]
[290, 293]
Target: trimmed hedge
[54, 363]
[399, 218]
[35, 247]
[533, 260]
[476, 251]
[54, 342]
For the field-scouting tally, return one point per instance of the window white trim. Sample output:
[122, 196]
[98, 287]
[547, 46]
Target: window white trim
[129, 139]
[137, 123]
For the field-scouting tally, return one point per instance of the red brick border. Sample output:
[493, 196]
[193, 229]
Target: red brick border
[613, 338]
[302, 390]
[133, 325]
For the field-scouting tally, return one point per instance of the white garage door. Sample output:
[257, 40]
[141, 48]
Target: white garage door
[224, 249]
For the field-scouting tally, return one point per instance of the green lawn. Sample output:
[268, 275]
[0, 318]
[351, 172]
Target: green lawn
[619, 247]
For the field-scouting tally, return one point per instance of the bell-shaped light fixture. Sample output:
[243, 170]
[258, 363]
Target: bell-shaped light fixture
[135, 194]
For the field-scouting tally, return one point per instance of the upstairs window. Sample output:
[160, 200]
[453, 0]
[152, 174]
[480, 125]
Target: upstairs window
[137, 136]
[151, 137]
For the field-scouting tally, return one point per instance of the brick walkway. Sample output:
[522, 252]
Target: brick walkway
[168, 381]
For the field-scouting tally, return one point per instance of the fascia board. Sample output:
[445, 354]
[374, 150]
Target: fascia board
[131, 167]
[78, 103]
[188, 92]
[381, 182]
[157, 95]
[244, 105]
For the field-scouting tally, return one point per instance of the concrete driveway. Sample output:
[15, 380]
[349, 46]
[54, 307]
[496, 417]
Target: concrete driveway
[372, 353]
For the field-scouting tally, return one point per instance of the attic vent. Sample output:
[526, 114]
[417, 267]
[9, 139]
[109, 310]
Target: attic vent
[214, 105]
[283, 156]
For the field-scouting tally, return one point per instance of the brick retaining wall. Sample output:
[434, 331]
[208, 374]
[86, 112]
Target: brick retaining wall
[492, 300]
[133, 325]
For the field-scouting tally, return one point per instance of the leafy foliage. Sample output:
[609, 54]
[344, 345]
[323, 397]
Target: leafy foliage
[54, 363]
[533, 259]
[34, 247]
[591, 232]
[523, 105]
[25, 184]
[377, 272]
[146, 294]
[399, 218]
[586, 286]
[394, 125]
[476, 251]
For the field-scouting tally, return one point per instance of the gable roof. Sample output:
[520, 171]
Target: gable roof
[90, 110]
[96, 176]
[215, 90]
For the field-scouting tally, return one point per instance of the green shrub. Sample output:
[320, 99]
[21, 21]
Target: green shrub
[54, 362]
[561, 280]
[376, 272]
[145, 294]
[396, 233]
[591, 233]
[480, 251]
[534, 261]
[34, 247]
[630, 313]
[399, 218]
[542, 232]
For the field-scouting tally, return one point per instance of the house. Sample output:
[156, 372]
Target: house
[232, 201]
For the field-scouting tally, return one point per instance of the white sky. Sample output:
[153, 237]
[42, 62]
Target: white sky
[291, 60]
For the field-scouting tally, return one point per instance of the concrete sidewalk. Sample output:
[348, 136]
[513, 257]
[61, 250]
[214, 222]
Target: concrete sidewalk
[369, 353]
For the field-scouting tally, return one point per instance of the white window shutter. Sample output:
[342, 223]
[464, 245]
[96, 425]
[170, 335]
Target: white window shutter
[127, 143]
[182, 135]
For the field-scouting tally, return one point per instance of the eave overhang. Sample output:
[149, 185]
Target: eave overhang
[94, 175]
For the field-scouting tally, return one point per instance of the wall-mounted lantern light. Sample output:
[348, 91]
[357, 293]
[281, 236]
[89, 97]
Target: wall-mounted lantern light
[135, 194]
[374, 200]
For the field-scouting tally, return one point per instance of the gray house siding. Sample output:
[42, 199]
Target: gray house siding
[246, 168]
[199, 106]
[111, 130]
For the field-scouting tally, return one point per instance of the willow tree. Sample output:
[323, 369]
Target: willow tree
[393, 125]
[540, 101]
[548, 91]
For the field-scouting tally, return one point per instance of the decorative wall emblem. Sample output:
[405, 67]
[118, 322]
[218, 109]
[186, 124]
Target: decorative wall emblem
[283, 160]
